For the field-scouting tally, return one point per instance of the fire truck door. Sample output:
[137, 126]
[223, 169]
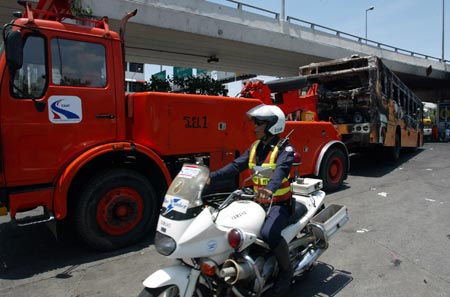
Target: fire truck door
[60, 103]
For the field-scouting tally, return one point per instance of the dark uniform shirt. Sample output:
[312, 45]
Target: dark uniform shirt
[284, 161]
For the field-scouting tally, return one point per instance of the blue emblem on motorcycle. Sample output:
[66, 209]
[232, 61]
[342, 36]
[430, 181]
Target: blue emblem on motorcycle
[177, 204]
[168, 209]
[212, 245]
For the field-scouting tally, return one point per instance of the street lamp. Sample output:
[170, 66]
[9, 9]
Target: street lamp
[370, 8]
[443, 31]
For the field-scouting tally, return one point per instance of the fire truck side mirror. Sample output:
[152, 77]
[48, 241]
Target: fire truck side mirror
[14, 52]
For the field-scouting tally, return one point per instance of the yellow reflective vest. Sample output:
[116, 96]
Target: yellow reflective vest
[284, 191]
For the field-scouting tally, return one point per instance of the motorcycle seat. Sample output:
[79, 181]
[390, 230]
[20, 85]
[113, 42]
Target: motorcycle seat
[298, 211]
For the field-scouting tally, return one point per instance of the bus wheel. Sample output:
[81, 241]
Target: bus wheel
[116, 209]
[394, 152]
[332, 170]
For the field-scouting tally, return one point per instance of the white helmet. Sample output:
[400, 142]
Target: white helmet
[271, 114]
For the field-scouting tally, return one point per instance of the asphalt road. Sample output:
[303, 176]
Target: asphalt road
[397, 242]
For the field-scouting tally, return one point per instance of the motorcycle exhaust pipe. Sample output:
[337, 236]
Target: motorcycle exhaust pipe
[307, 260]
[232, 271]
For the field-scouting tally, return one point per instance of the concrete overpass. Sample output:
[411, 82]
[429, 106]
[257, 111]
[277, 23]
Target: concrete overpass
[189, 33]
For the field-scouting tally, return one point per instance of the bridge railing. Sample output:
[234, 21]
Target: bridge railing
[349, 36]
[363, 40]
[240, 5]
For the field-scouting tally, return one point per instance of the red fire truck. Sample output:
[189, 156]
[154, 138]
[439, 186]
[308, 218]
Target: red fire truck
[75, 147]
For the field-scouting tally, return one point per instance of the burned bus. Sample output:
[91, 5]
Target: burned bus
[369, 104]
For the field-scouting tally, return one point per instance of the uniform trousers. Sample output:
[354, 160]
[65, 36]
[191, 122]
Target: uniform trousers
[275, 222]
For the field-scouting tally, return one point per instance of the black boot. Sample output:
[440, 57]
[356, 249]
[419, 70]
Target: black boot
[285, 272]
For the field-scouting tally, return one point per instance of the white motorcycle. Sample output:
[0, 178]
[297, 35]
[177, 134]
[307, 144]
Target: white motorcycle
[218, 247]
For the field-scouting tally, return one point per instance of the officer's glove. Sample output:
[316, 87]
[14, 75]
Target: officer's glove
[263, 195]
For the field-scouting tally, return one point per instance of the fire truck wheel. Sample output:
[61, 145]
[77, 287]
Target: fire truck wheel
[332, 169]
[117, 208]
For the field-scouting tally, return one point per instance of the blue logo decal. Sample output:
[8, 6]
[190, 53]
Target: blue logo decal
[177, 204]
[64, 109]
[212, 245]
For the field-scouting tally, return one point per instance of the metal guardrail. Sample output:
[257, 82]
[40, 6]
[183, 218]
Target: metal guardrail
[240, 5]
[349, 36]
[367, 41]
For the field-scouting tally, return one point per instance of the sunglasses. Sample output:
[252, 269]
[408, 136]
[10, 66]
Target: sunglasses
[259, 122]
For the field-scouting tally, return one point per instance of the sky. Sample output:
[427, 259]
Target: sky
[413, 25]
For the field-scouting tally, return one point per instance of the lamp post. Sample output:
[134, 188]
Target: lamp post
[370, 8]
[443, 31]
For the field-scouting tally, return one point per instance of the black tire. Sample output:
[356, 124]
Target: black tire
[394, 152]
[333, 169]
[117, 208]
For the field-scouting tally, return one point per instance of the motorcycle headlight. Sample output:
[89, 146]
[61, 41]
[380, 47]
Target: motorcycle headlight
[164, 244]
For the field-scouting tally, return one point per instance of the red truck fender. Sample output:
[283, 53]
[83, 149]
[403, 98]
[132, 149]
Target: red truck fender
[70, 171]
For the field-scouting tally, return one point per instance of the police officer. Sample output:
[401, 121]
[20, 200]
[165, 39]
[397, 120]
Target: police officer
[269, 122]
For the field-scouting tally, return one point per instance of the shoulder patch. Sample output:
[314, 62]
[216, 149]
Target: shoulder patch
[289, 149]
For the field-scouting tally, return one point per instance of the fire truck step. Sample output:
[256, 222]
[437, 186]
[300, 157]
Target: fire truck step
[31, 220]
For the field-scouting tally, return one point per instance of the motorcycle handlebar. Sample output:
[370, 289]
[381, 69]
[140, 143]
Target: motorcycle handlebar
[238, 194]
[248, 196]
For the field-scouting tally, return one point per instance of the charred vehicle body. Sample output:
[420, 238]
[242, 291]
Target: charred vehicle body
[369, 104]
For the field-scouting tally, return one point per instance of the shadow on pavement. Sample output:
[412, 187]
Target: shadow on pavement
[31, 250]
[323, 280]
[376, 165]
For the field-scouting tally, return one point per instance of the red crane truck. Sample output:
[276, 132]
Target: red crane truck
[75, 147]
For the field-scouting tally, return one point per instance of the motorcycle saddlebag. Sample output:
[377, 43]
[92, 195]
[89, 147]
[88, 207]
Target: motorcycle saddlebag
[327, 222]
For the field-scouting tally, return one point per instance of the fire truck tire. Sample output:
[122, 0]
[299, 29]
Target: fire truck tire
[332, 169]
[117, 208]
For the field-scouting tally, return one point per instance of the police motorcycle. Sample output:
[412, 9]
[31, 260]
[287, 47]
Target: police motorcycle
[216, 242]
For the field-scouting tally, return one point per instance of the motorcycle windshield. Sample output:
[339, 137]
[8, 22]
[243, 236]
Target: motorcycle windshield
[183, 198]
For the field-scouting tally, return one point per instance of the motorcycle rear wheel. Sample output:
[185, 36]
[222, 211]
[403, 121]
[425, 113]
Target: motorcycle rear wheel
[172, 291]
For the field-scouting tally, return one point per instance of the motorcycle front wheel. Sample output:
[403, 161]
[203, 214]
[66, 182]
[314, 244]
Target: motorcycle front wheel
[172, 291]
